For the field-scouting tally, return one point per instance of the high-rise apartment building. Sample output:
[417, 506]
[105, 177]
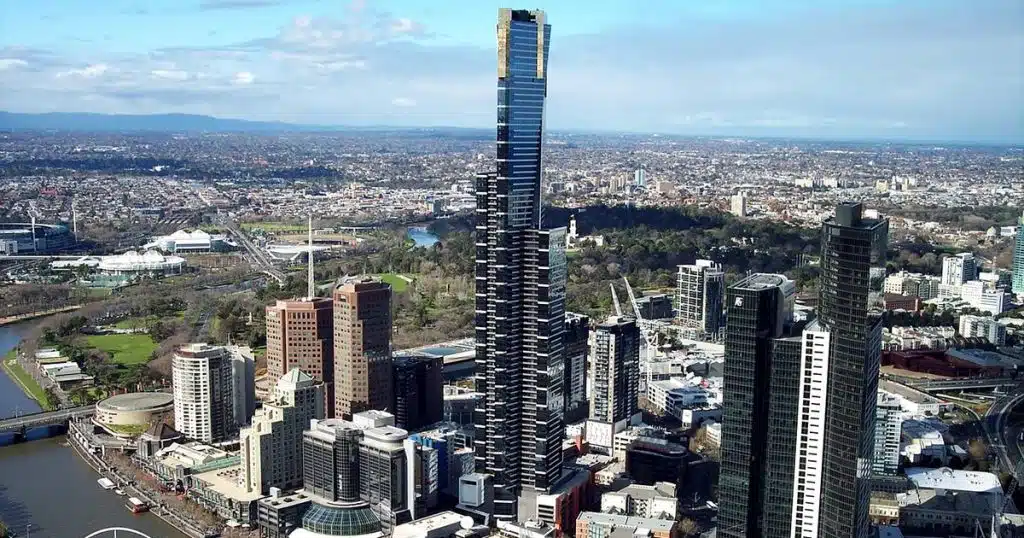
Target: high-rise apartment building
[520, 284]
[1018, 257]
[959, 269]
[640, 177]
[362, 347]
[271, 448]
[815, 352]
[760, 404]
[300, 335]
[574, 382]
[384, 477]
[614, 381]
[419, 396]
[699, 295]
[243, 384]
[738, 204]
[203, 393]
[888, 428]
[851, 246]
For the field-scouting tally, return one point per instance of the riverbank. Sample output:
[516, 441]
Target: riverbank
[24, 381]
[38, 314]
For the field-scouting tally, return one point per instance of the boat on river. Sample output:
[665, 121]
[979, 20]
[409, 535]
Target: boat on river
[106, 483]
[136, 505]
[119, 491]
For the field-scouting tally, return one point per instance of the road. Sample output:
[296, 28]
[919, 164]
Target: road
[260, 259]
[995, 424]
[48, 417]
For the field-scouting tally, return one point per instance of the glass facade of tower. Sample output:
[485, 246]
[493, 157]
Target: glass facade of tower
[851, 246]
[1018, 258]
[520, 283]
[758, 396]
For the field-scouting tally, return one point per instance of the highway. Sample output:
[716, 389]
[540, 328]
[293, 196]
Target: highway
[995, 424]
[260, 259]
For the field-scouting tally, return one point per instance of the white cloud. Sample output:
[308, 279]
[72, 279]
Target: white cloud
[403, 26]
[403, 102]
[169, 74]
[243, 78]
[11, 63]
[90, 71]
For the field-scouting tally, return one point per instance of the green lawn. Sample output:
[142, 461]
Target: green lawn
[124, 348]
[25, 381]
[136, 323]
[397, 284]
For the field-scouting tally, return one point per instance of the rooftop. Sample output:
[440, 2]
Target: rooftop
[421, 527]
[225, 482]
[948, 479]
[761, 281]
[137, 401]
[655, 525]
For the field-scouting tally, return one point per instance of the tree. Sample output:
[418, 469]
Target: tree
[52, 400]
[688, 528]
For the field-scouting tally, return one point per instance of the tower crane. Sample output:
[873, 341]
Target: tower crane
[648, 329]
[615, 300]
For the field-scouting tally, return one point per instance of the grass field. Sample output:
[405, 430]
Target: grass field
[25, 381]
[136, 323]
[276, 227]
[398, 285]
[124, 348]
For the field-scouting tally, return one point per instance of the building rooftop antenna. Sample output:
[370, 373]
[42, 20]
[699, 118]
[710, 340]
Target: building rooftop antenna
[311, 285]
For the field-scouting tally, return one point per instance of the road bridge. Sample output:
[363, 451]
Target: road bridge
[1002, 383]
[46, 418]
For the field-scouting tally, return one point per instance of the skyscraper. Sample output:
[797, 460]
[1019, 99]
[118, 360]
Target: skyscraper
[520, 283]
[699, 294]
[959, 269]
[851, 246]
[362, 347]
[1018, 257]
[203, 393]
[760, 403]
[614, 380]
[419, 397]
[384, 477]
[271, 448]
[888, 430]
[574, 382]
[299, 335]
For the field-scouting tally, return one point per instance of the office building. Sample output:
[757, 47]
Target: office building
[984, 297]
[203, 397]
[699, 295]
[658, 501]
[520, 284]
[243, 384]
[640, 177]
[384, 478]
[300, 335]
[362, 347]
[851, 246]
[1018, 257]
[271, 448]
[738, 204]
[657, 306]
[598, 525]
[650, 460]
[330, 460]
[888, 429]
[984, 327]
[419, 400]
[760, 406]
[614, 381]
[574, 382]
[959, 269]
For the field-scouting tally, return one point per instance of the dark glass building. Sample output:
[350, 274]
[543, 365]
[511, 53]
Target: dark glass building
[520, 284]
[419, 398]
[851, 246]
[760, 395]
[574, 382]
[650, 460]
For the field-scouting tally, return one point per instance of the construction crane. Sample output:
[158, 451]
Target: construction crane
[650, 333]
[615, 300]
[997, 518]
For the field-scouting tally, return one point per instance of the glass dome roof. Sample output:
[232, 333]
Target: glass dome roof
[340, 520]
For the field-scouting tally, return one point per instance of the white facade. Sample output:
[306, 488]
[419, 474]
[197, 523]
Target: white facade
[657, 501]
[203, 399]
[888, 428]
[271, 448]
[738, 204]
[959, 269]
[984, 298]
[185, 241]
[810, 426]
[670, 396]
[700, 292]
[984, 327]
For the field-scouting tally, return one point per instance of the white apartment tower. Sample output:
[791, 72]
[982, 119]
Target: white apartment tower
[738, 204]
[203, 393]
[807, 484]
[699, 295]
[959, 269]
[271, 448]
[888, 427]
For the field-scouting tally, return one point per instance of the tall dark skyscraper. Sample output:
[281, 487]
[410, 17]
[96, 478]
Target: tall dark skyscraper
[419, 399]
[760, 403]
[851, 246]
[520, 283]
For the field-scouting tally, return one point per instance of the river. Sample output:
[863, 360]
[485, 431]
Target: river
[46, 485]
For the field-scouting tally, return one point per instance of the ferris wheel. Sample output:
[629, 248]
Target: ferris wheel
[114, 532]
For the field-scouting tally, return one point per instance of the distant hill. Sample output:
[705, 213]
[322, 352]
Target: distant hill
[76, 121]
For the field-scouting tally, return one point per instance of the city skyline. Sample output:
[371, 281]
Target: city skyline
[859, 69]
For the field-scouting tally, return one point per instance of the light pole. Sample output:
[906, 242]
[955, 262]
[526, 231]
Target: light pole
[28, 530]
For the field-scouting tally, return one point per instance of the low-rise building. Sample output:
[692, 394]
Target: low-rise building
[598, 525]
[657, 501]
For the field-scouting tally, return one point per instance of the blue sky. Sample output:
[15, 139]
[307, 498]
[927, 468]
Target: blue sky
[924, 69]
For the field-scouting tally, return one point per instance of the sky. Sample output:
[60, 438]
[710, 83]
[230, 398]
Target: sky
[886, 69]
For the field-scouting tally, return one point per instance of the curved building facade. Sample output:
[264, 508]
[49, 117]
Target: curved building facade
[134, 409]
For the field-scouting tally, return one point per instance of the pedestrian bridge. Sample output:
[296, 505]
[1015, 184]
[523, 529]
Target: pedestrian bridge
[45, 418]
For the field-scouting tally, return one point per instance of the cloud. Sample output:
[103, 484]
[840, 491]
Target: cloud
[11, 63]
[90, 71]
[403, 102]
[169, 74]
[243, 78]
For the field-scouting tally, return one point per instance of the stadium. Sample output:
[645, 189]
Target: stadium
[129, 263]
[16, 237]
